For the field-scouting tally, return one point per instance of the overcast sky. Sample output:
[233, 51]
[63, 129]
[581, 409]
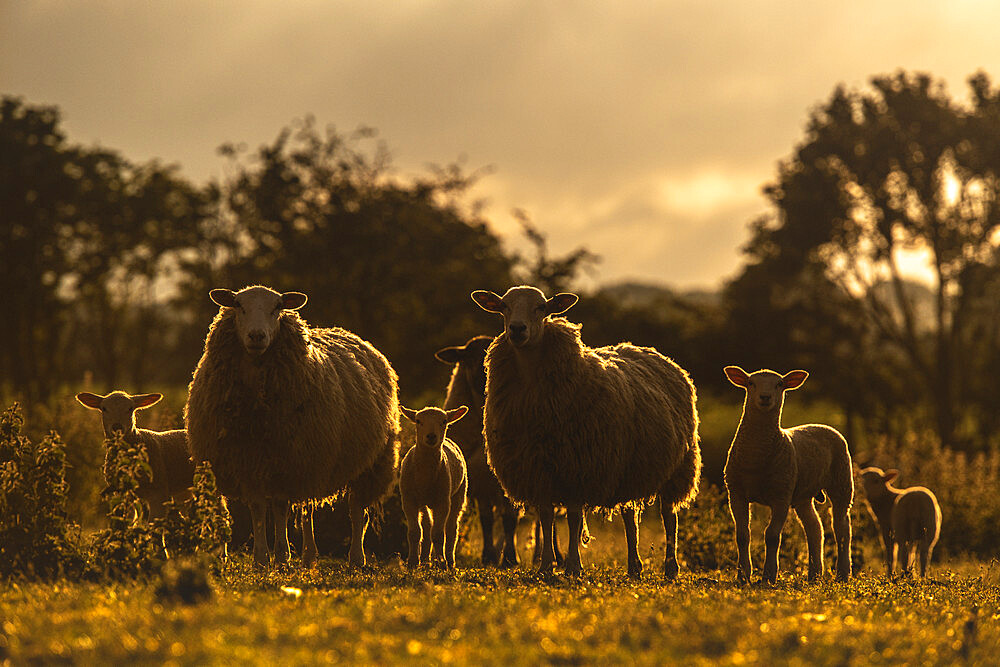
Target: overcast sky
[642, 130]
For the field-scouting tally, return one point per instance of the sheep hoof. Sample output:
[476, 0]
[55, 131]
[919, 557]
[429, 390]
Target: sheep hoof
[356, 559]
[490, 557]
[509, 562]
[573, 569]
[308, 559]
[635, 574]
[671, 569]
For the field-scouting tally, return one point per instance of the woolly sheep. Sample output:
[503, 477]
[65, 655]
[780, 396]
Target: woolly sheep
[908, 519]
[169, 456]
[432, 486]
[290, 413]
[604, 428]
[786, 468]
[468, 387]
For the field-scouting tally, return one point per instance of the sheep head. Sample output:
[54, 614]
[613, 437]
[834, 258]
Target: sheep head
[876, 483]
[432, 423]
[117, 408]
[524, 311]
[257, 311]
[471, 360]
[765, 389]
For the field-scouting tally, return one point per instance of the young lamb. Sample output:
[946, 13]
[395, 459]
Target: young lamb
[468, 387]
[290, 413]
[169, 456]
[571, 425]
[432, 486]
[908, 519]
[786, 468]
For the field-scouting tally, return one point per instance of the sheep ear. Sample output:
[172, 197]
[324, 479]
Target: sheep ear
[450, 355]
[92, 401]
[408, 413]
[793, 379]
[890, 475]
[223, 297]
[737, 376]
[456, 414]
[140, 401]
[491, 302]
[293, 300]
[560, 303]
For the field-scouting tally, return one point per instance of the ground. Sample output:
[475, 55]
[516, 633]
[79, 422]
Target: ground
[388, 614]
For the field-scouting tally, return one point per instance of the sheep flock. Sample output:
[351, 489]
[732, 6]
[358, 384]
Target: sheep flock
[291, 416]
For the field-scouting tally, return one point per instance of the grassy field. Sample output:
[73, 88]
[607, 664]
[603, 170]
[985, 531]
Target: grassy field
[388, 614]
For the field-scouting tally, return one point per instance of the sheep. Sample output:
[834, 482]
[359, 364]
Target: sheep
[567, 424]
[290, 413]
[433, 481]
[168, 453]
[784, 468]
[468, 387]
[907, 518]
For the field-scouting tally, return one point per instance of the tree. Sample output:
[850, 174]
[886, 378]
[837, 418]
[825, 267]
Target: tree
[886, 175]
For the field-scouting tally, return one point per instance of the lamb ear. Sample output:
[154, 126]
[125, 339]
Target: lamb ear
[293, 300]
[408, 413]
[491, 302]
[450, 355]
[140, 401]
[223, 297]
[793, 379]
[456, 414]
[92, 401]
[737, 376]
[560, 303]
[890, 475]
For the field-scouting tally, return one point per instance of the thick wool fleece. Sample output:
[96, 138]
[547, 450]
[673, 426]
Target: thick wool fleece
[316, 412]
[568, 424]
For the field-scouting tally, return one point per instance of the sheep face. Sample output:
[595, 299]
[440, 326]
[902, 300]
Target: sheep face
[524, 311]
[117, 408]
[765, 389]
[471, 360]
[876, 482]
[432, 424]
[258, 310]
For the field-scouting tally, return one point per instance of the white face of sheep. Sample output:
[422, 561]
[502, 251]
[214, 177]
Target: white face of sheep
[257, 312]
[117, 408]
[874, 481]
[524, 310]
[765, 389]
[432, 423]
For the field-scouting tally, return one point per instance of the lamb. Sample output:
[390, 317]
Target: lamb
[784, 468]
[468, 387]
[909, 519]
[290, 413]
[169, 456]
[571, 425]
[432, 486]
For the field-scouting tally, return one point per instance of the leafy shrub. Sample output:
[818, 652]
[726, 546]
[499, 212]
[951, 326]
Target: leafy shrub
[201, 523]
[36, 540]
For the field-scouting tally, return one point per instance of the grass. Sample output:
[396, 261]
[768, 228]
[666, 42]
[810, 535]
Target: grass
[387, 614]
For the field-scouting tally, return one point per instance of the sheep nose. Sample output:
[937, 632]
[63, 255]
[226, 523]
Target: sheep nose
[517, 330]
[431, 438]
[765, 398]
[117, 427]
[256, 337]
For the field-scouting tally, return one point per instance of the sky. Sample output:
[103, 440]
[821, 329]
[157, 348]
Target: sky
[642, 130]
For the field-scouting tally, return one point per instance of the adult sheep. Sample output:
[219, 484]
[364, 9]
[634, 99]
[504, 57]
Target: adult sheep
[567, 424]
[287, 413]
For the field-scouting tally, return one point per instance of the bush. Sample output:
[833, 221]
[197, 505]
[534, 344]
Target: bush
[36, 539]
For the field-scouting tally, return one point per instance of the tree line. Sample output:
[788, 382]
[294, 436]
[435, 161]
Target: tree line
[105, 263]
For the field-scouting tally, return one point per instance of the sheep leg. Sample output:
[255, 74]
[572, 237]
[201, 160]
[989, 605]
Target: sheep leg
[509, 516]
[425, 540]
[669, 516]
[809, 518]
[451, 525]
[438, 527]
[740, 511]
[842, 533]
[258, 517]
[630, 517]
[546, 514]
[573, 565]
[309, 550]
[772, 541]
[359, 524]
[413, 534]
[486, 521]
[889, 545]
[925, 556]
[281, 549]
